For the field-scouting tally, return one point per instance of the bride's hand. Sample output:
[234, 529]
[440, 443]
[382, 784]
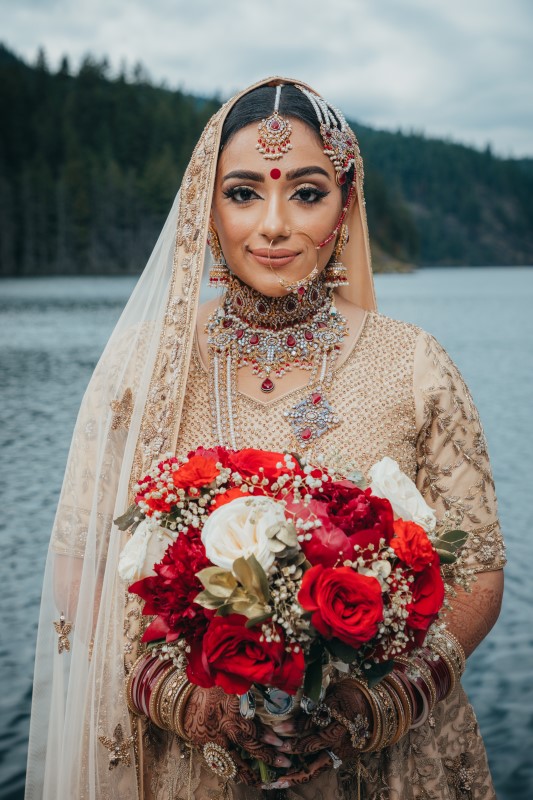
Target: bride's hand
[211, 715]
[322, 748]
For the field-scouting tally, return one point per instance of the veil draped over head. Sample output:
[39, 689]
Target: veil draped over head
[83, 742]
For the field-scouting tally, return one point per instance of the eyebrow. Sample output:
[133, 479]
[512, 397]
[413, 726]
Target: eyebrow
[291, 175]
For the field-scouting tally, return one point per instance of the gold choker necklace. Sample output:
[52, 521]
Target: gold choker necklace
[275, 313]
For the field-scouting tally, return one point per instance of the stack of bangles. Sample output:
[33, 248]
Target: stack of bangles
[157, 689]
[402, 700]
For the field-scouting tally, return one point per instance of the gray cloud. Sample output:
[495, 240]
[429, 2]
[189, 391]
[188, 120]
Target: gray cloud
[454, 68]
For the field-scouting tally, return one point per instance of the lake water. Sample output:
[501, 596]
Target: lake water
[51, 334]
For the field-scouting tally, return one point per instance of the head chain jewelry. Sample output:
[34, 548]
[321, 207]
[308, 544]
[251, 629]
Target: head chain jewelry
[340, 142]
[274, 132]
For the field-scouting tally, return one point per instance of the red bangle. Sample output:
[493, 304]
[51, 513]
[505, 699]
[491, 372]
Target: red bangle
[151, 681]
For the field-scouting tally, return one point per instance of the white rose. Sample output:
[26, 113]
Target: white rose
[387, 480]
[238, 529]
[145, 548]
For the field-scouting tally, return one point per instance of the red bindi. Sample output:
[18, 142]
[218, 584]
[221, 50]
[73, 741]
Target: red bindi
[275, 173]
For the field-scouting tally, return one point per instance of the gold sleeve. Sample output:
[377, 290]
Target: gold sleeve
[454, 473]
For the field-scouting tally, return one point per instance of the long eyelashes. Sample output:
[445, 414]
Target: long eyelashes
[308, 195]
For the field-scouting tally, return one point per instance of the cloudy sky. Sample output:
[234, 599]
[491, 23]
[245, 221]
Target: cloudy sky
[461, 69]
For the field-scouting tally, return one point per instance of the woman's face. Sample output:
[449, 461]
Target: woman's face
[289, 205]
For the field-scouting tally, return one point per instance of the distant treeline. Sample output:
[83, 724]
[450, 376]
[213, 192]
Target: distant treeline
[90, 163]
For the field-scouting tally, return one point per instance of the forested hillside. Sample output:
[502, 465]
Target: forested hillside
[89, 164]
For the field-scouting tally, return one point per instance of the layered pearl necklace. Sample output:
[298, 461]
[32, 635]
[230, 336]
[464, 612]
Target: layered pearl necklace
[272, 335]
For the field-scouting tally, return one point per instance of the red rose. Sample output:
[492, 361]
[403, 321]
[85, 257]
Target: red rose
[412, 546]
[171, 592]
[428, 597]
[247, 462]
[345, 604]
[197, 472]
[234, 657]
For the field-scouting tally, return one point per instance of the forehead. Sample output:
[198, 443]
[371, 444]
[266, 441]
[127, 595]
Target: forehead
[241, 152]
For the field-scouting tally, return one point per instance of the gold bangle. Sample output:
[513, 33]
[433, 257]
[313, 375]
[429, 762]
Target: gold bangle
[377, 724]
[180, 710]
[155, 696]
[167, 695]
[454, 651]
[405, 714]
[390, 716]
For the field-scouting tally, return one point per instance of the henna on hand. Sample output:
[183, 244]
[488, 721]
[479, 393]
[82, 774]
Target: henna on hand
[307, 738]
[211, 715]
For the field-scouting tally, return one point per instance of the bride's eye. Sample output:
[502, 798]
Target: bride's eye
[309, 194]
[240, 194]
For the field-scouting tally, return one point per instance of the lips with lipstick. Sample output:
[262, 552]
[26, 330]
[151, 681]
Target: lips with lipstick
[274, 257]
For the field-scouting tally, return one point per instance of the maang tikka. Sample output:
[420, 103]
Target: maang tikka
[219, 274]
[274, 132]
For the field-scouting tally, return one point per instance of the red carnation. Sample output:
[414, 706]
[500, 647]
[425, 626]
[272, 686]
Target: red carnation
[171, 592]
[428, 597]
[412, 546]
[196, 473]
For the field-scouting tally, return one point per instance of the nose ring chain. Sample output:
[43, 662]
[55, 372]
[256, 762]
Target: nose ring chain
[304, 282]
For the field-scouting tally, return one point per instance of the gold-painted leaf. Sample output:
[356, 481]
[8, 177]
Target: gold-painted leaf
[252, 576]
[218, 581]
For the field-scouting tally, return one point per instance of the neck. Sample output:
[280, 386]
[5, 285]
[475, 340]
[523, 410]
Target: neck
[275, 313]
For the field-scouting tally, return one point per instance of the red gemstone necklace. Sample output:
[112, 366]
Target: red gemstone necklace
[272, 336]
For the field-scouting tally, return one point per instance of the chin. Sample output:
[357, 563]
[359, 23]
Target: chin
[266, 284]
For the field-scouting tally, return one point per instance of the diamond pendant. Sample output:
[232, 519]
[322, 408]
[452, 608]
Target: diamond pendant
[312, 417]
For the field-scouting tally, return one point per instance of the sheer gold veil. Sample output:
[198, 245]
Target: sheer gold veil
[89, 625]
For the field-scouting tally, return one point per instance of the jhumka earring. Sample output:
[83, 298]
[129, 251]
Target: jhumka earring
[335, 273]
[219, 274]
[274, 133]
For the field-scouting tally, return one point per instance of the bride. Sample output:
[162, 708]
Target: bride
[292, 356]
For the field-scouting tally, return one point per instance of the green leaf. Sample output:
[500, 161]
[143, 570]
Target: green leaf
[313, 680]
[344, 652]
[377, 672]
[446, 556]
[453, 540]
[128, 518]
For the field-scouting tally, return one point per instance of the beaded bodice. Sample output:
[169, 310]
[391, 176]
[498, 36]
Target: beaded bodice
[396, 394]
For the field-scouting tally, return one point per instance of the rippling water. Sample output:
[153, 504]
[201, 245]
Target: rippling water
[51, 334]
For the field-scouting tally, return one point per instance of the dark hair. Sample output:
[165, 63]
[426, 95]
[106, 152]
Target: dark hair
[259, 104]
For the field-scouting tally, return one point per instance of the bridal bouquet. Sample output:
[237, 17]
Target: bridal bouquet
[270, 568]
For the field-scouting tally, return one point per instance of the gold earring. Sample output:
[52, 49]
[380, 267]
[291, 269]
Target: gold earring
[335, 273]
[219, 274]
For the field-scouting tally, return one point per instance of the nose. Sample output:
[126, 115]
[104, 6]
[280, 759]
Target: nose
[274, 223]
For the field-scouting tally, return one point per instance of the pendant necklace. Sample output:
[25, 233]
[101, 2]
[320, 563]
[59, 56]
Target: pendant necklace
[272, 335]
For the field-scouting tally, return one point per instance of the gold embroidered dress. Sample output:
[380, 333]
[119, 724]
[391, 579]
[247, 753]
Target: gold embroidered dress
[396, 393]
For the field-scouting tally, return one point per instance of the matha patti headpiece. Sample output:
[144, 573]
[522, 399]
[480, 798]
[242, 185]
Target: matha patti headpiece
[340, 142]
[274, 133]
